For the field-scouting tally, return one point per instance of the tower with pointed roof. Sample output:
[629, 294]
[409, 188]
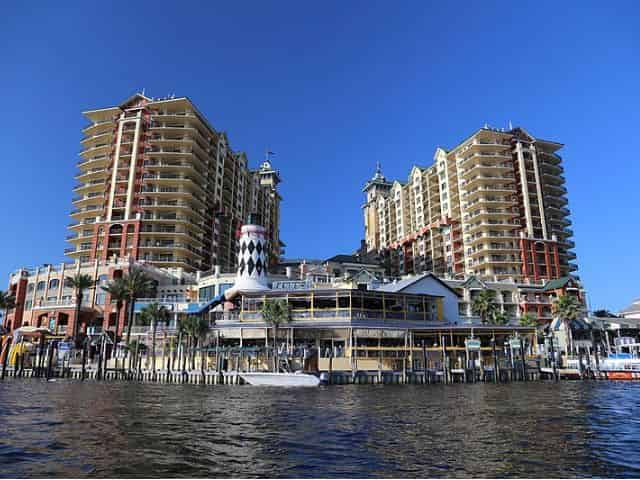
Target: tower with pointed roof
[376, 189]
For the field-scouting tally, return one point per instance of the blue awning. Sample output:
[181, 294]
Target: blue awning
[198, 308]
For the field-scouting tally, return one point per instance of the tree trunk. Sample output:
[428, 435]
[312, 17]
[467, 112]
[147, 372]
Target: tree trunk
[115, 327]
[276, 356]
[76, 322]
[130, 318]
[184, 354]
[153, 347]
[193, 352]
[568, 336]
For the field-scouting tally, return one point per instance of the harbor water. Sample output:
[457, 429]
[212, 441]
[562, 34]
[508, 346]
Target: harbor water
[542, 429]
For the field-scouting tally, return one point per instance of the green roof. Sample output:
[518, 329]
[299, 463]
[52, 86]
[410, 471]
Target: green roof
[556, 283]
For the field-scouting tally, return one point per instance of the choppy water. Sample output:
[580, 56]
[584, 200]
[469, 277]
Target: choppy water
[534, 430]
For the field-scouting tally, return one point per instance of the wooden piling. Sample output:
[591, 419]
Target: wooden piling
[84, 360]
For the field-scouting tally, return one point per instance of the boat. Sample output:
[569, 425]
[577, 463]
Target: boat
[287, 379]
[624, 362]
[621, 366]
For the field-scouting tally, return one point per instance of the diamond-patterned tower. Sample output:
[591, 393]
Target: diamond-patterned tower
[252, 257]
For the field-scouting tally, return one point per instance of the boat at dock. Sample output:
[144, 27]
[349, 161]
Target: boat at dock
[621, 366]
[272, 379]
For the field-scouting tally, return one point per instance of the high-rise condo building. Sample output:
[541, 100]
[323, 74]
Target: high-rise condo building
[159, 184]
[494, 206]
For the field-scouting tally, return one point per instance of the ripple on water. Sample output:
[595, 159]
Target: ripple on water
[113, 429]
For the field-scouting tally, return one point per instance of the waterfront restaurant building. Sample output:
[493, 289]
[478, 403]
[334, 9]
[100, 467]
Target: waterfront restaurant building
[356, 330]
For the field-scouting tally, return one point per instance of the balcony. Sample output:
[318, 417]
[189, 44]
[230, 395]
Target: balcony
[491, 212]
[91, 173]
[96, 149]
[487, 167]
[476, 192]
[102, 137]
[98, 126]
[93, 184]
[497, 156]
[80, 212]
[98, 159]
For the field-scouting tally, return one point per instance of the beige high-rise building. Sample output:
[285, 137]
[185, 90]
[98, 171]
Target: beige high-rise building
[159, 184]
[494, 206]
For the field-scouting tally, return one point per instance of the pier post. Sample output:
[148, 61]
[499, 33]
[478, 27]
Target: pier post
[99, 366]
[84, 359]
[50, 349]
[21, 359]
[524, 366]
[495, 359]
[444, 360]
[553, 359]
[5, 355]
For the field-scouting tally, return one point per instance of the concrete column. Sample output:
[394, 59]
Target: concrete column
[132, 166]
[523, 254]
[116, 161]
[525, 189]
[547, 261]
[557, 259]
[536, 170]
[536, 274]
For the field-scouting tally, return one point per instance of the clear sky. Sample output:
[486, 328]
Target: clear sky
[332, 87]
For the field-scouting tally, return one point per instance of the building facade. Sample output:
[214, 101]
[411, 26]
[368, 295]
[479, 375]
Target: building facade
[159, 184]
[44, 299]
[494, 206]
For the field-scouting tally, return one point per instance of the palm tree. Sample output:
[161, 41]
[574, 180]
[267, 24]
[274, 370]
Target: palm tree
[7, 301]
[499, 318]
[137, 285]
[484, 304]
[567, 308]
[154, 313]
[528, 320]
[196, 327]
[116, 288]
[80, 282]
[275, 313]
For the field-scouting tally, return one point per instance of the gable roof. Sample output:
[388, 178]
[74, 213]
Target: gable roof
[634, 307]
[473, 280]
[557, 283]
[363, 272]
[350, 259]
[407, 282]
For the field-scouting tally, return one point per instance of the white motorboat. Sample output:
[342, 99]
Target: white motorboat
[271, 379]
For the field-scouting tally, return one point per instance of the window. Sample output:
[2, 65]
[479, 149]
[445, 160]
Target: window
[41, 286]
[206, 293]
[54, 283]
[30, 288]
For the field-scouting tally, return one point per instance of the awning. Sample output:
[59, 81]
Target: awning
[578, 324]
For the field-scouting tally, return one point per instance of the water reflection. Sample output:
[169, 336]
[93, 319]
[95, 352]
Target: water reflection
[533, 430]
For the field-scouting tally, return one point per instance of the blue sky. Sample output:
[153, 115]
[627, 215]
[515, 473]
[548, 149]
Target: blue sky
[332, 87]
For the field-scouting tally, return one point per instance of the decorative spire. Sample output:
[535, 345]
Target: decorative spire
[378, 175]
